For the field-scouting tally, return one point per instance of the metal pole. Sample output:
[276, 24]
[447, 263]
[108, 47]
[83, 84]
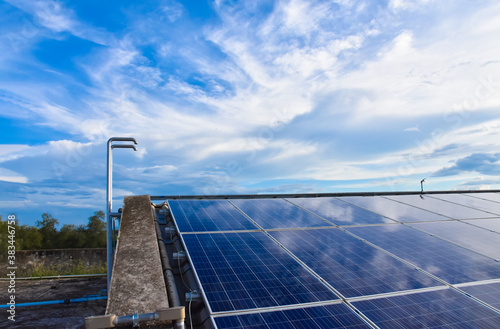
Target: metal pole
[109, 201]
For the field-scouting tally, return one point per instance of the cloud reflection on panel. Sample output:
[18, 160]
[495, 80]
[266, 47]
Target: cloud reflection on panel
[340, 212]
[394, 210]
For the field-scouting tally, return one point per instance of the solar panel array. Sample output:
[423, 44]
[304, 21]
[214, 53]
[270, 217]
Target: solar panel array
[395, 261]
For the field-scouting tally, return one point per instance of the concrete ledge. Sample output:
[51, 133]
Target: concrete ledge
[137, 284]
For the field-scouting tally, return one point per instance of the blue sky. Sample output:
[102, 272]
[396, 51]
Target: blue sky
[244, 97]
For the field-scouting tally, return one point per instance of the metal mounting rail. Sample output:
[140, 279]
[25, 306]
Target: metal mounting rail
[309, 195]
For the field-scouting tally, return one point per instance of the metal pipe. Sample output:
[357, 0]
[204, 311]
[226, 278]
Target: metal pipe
[173, 294]
[135, 318]
[60, 301]
[109, 195]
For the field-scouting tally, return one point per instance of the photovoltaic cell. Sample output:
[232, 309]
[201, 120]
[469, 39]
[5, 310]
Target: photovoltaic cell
[472, 237]
[475, 203]
[394, 210]
[321, 317]
[351, 266]
[208, 215]
[492, 224]
[441, 207]
[447, 261]
[489, 293]
[248, 270]
[340, 212]
[433, 309]
[278, 213]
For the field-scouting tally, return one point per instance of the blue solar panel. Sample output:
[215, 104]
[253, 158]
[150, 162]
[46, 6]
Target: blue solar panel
[441, 207]
[394, 210]
[213, 215]
[278, 213]
[351, 266]
[248, 270]
[489, 293]
[340, 212]
[325, 317]
[492, 224]
[447, 261]
[472, 237]
[488, 206]
[433, 309]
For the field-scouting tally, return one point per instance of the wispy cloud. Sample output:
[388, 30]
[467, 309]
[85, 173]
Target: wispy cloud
[240, 96]
[481, 163]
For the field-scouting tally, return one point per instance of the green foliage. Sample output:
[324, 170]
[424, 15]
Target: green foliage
[71, 236]
[47, 227]
[28, 238]
[96, 230]
[46, 235]
[78, 267]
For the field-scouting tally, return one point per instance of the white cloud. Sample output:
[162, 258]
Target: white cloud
[16, 204]
[412, 129]
[287, 90]
[11, 151]
[57, 18]
[11, 176]
[52, 15]
[407, 4]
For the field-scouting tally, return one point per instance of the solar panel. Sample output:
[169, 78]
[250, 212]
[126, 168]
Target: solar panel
[492, 224]
[240, 271]
[488, 293]
[351, 266]
[441, 207]
[278, 213]
[394, 210]
[434, 309]
[325, 317]
[481, 204]
[472, 237]
[208, 215]
[277, 263]
[445, 260]
[340, 212]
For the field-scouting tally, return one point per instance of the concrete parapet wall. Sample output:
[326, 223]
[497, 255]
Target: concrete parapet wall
[137, 283]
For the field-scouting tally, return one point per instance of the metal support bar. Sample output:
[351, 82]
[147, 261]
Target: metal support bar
[109, 194]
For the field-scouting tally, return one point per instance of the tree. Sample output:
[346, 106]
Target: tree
[28, 238]
[47, 227]
[71, 236]
[96, 231]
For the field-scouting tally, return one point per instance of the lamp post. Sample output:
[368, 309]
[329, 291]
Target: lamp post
[109, 201]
